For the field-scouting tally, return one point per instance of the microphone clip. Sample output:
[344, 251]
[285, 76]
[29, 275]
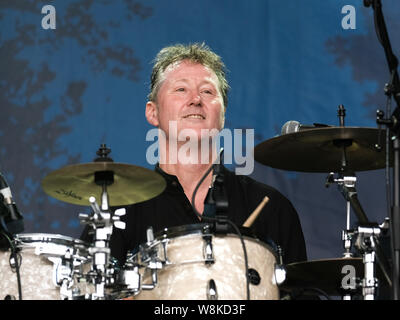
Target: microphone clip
[217, 202]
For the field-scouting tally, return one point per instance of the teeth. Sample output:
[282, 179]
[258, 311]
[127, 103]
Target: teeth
[194, 116]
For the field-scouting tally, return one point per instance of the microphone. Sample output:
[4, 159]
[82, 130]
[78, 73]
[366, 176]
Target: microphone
[293, 126]
[210, 203]
[12, 218]
[217, 167]
[216, 202]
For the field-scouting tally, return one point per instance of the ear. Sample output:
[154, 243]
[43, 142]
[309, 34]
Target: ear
[152, 113]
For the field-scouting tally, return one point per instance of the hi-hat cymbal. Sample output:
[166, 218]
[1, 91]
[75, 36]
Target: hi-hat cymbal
[326, 275]
[321, 150]
[76, 183]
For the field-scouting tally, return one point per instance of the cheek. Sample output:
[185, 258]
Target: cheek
[219, 115]
[169, 106]
[164, 109]
[166, 117]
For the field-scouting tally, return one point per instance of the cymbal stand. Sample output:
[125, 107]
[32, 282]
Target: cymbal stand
[345, 182]
[100, 251]
[366, 243]
[366, 236]
[102, 221]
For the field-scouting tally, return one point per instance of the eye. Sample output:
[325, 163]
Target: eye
[207, 91]
[180, 89]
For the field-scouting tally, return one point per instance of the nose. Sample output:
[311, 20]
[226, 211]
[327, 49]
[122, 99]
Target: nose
[195, 99]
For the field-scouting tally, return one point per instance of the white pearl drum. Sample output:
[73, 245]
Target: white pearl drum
[49, 267]
[186, 263]
[182, 263]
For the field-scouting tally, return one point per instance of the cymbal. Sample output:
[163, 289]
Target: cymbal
[76, 183]
[321, 150]
[326, 275]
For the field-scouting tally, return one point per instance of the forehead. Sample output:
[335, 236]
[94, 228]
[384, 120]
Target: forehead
[186, 70]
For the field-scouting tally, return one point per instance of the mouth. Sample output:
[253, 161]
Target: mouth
[194, 116]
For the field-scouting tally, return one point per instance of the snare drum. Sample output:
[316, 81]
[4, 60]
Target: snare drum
[45, 262]
[198, 265]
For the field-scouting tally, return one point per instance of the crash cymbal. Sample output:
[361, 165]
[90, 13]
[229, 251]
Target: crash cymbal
[321, 149]
[76, 183]
[326, 275]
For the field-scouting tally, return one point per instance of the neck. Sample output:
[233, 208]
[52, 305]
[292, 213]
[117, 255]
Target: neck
[190, 172]
[188, 160]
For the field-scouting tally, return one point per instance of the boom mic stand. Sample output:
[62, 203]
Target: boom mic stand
[393, 124]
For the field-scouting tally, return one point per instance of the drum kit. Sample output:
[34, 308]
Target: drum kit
[38, 266]
[49, 266]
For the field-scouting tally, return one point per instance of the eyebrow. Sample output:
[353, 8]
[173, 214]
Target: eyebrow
[201, 83]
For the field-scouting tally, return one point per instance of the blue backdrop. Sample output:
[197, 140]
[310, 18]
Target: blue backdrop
[64, 91]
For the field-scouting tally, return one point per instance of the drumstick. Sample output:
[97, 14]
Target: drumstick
[255, 213]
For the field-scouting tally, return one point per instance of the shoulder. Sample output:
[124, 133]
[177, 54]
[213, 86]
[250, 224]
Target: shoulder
[257, 190]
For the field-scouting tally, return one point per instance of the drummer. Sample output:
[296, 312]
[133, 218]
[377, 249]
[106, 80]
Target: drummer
[189, 91]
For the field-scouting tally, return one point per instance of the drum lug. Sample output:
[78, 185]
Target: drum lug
[154, 263]
[279, 276]
[68, 293]
[62, 277]
[131, 278]
[212, 293]
[61, 272]
[208, 250]
[154, 279]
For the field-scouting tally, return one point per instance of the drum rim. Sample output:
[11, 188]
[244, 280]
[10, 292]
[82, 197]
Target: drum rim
[197, 229]
[59, 239]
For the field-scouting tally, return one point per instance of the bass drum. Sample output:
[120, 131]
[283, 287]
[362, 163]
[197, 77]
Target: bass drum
[199, 265]
[45, 261]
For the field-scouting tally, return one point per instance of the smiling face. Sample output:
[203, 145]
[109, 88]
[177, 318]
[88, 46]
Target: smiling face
[190, 95]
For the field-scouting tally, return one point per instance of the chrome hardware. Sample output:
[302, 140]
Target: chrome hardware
[279, 276]
[212, 293]
[208, 250]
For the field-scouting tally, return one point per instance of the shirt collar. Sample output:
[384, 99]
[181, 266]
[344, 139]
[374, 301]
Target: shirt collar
[171, 179]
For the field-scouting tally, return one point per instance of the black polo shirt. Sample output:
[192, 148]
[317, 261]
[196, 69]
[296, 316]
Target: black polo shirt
[278, 220]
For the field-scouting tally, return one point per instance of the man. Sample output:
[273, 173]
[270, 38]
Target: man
[189, 93]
